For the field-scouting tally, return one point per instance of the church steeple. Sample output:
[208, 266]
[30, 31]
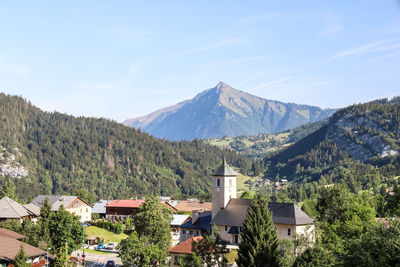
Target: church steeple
[223, 188]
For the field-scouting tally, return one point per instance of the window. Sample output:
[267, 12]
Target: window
[230, 182]
[218, 182]
[191, 232]
[289, 231]
[226, 228]
[236, 239]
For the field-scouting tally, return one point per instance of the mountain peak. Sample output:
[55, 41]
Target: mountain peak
[221, 86]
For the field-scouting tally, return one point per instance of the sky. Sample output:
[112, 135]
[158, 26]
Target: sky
[122, 59]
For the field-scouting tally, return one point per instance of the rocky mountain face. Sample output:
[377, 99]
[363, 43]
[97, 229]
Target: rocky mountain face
[361, 137]
[225, 111]
[358, 145]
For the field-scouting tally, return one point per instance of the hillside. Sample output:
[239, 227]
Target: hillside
[224, 111]
[360, 146]
[261, 145]
[55, 153]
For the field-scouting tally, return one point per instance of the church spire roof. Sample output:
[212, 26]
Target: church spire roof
[224, 170]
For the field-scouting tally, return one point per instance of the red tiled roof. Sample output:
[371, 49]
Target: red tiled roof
[189, 206]
[126, 203]
[186, 246]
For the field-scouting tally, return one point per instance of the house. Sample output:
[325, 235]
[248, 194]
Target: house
[100, 208]
[176, 223]
[10, 209]
[184, 248]
[198, 225]
[123, 209]
[73, 204]
[10, 243]
[93, 240]
[33, 210]
[229, 212]
[195, 204]
[169, 206]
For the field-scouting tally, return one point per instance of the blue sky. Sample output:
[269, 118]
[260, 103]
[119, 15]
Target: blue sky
[121, 59]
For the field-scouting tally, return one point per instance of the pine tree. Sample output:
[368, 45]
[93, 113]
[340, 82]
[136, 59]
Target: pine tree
[8, 190]
[21, 258]
[259, 245]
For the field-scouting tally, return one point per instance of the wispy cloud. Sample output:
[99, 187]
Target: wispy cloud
[367, 48]
[332, 26]
[215, 45]
[271, 83]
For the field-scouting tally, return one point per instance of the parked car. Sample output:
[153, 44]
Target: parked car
[111, 245]
[110, 263]
[101, 246]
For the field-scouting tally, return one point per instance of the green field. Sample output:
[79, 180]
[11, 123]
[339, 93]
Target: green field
[107, 236]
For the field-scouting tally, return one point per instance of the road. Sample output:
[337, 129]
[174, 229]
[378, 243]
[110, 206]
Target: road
[98, 260]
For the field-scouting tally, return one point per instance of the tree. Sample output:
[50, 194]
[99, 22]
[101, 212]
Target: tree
[140, 251]
[8, 190]
[210, 251]
[259, 245]
[315, 256]
[65, 228]
[378, 246]
[21, 258]
[150, 241]
[153, 220]
[61, 258]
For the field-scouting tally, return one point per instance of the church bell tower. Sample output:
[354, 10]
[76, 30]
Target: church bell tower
[223, 188]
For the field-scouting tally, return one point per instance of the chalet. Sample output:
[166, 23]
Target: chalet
[177, 221]
[184, 248]
[10, 243]
[10, 209]
[123, 209]
[73, 204]
[229, 212]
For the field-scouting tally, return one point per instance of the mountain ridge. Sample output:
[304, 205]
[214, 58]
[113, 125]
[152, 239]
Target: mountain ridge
[225, 111]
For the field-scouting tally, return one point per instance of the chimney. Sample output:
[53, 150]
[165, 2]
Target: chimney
[195, 216]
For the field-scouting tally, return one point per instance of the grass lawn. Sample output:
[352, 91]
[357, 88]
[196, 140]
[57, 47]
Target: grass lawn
[104, 234]
[232, 256]
[95, 251]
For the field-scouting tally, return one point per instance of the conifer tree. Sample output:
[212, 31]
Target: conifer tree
[259, 245]
[21, 258]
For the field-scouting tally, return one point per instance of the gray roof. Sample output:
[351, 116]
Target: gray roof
[55, 201]
[99, 207]
[224, 170]
[179, 219]
[33, 209]
[234, 213]
[282, 213]
[202, 223]
[10, 209]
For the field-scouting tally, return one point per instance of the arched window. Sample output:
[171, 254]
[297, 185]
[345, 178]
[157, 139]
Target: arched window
[218, 183]
[289, 231]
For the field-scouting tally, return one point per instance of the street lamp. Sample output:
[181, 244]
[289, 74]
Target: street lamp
[47, 257]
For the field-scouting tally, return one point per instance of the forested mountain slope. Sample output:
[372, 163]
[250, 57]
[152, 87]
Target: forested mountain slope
[360, 145]
[261, 145]
[55, 153]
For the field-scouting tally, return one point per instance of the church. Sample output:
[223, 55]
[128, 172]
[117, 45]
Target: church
[229, 212]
